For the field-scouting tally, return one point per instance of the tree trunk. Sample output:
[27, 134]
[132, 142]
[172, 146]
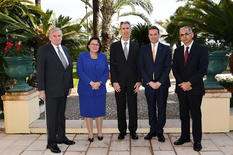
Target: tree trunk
[107, 13]
[38, 3]
[95, 18]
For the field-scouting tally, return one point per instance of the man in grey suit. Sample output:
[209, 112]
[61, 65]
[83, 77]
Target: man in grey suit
[54, 83]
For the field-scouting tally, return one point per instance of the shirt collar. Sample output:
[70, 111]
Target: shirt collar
[123, 42]
[55, 47]
[156, 45]
[190, 46]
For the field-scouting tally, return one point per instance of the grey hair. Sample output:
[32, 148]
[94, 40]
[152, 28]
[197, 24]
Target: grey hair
[125, 22]
[54, 29]
[186, 27]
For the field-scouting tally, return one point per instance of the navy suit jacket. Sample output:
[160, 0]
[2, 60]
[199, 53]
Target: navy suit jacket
[193, 71]
[161, 67]
[88, 71]
[52, 76]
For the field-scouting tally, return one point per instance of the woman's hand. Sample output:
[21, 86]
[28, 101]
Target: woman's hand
[95, 85]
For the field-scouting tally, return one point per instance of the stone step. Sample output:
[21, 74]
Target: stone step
[109, 126]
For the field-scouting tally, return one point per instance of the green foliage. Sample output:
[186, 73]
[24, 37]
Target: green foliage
[139, 34]
[211, 20]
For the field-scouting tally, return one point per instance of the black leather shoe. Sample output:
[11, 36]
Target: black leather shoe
[197, 146]
[121, 136]
[91, 140]
[100, 138]
[181, 141]
[150, 135]
[66, 141]
[53, 148]
[134, 136]
[161, 138]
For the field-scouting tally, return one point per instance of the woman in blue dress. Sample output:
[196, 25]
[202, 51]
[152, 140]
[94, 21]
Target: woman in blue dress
[92, 69]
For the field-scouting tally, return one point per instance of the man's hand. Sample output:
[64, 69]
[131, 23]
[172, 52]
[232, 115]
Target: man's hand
[70, 90]
[185, 86]
[137, 86]
[116, 87]
[42, 95]
[154, 85]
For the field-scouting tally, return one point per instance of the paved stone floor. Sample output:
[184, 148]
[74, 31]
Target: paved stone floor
[35, 144]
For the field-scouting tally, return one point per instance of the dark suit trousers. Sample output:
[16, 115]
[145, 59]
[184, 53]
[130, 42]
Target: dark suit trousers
[190, 104]
[126, 94]
[55, 117]
[156, 98]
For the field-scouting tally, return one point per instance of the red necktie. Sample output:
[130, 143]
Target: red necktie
[186, 55]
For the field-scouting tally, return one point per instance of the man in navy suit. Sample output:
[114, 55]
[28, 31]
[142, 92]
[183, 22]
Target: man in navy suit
[126, 79]
[190, 64]
[55, 82]
[155, 66]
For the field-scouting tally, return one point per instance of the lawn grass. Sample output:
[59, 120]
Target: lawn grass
[75, 76]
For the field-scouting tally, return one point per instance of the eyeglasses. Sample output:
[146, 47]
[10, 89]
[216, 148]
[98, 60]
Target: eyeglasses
[185, 34]
[94, 44]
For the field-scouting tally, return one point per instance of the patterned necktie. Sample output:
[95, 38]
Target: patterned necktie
[186, 55]
[62, 58]
[126, 50]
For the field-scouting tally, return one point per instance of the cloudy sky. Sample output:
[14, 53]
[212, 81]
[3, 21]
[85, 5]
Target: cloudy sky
[163, 9]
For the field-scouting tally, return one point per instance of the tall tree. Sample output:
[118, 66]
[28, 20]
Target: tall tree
[106, 34]
[115, 7]
[95, 18]
[38, 3]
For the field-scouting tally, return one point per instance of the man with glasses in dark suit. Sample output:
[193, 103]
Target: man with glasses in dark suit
[190, 64]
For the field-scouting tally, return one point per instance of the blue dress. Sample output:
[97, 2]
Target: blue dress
[92, 102]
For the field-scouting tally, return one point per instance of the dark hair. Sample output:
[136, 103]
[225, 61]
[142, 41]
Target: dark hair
[125, 22]
[94, 38]
[153, 28]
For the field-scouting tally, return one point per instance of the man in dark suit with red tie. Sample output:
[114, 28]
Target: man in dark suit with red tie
[126, 79]
[155, 66]
[55, 82]
[190, 64]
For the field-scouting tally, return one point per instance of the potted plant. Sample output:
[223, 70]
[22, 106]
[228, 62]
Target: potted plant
[218, 61]
[226, 80]
[18, 64]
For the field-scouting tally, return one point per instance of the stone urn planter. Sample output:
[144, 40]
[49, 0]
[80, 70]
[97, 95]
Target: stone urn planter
[19, 68]
[217, 63]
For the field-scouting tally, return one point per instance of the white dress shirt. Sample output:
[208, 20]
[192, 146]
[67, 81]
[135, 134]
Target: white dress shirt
[60, 47]
[123, 45]
[190, 46]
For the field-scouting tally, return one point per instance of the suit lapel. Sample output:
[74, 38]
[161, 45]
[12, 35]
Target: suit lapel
[130, 50]
[182, 55]
[121, 50]
[54, 53]
[149, 50]
[191, 53]
[159, 51]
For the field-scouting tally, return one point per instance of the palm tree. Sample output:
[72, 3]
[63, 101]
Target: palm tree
[106, 34]
[38, 3]
[211, 19]
[32, 26]
[139, 34]
[95, 17]
[109, 8]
